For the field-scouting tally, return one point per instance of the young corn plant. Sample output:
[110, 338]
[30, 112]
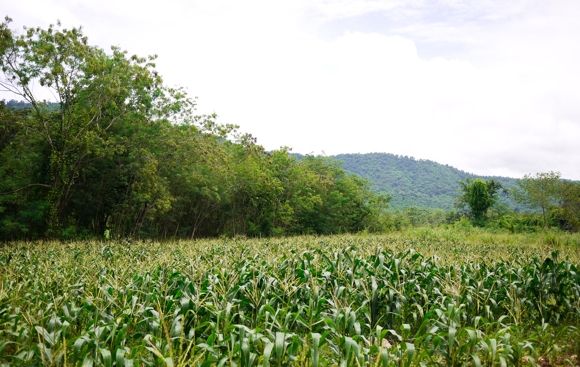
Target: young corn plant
[427, 298]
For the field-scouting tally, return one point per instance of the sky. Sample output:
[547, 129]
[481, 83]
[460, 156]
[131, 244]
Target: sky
[490, 87]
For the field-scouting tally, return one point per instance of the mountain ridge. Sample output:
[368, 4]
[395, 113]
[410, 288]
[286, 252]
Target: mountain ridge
[414, 182]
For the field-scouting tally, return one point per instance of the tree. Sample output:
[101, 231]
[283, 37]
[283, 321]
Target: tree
[478, 196]
[94, 91]
[568, 213]
[119, 153]
[539, 191]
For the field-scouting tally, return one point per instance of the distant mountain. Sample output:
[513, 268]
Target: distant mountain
[22, 105]
[414, 182]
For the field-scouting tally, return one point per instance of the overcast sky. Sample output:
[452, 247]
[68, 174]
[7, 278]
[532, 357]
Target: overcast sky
[490, 87]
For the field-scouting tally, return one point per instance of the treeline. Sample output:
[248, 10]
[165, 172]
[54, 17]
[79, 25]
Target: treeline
[22, 105]
[426, 193]
[551, 202]
[556, 201]
[122, 155]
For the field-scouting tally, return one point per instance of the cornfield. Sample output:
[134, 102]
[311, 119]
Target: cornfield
[427, 298]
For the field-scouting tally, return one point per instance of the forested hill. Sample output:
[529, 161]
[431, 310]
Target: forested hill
[22, 105]
[413, 182]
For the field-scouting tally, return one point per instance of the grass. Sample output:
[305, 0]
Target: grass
[422, 297]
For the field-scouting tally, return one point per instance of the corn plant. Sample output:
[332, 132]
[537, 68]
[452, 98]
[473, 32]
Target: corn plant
[432, 299]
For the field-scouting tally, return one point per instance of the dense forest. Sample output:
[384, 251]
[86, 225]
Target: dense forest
[121, 154]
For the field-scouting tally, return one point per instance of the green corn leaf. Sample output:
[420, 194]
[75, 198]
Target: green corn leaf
[502, 361]
[452, 332]
[120, 357]
[385, 358]
[493, 344]
[48, 337]
[107, 359]
[88, 362]
[314, 351]
[267, 352]
[279, 346]
[78, 348]
[410, 353]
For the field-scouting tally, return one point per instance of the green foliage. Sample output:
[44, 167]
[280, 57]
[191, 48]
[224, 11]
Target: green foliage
[123, 153]
[478, 196]
[415, 182]
[430, 297]
[567, 214]
[479, 199]
[96, 92]
[539, 191]
[415, 217]
[558, 199]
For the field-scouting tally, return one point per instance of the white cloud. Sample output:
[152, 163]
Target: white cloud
[500, 98]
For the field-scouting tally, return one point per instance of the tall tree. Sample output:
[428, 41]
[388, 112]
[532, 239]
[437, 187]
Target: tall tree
[569, 201]
[94, 91]
[123, 154]
[538, 191]
[478, 196]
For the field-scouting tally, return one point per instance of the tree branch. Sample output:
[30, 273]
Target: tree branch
[25, 187]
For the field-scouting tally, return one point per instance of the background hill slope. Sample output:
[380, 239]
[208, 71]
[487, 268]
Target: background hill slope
[414, 182]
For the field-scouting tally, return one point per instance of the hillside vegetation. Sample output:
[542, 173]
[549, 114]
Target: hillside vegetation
[415, 182]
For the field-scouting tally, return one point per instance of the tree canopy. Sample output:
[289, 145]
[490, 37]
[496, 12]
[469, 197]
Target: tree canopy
[538, 191]
[119, 151]
[477, 196]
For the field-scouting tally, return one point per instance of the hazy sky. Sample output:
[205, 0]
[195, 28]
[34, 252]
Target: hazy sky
[490, 87]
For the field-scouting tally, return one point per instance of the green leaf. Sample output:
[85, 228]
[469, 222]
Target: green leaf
[107, 360]
[120, 357]
[267, 352]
